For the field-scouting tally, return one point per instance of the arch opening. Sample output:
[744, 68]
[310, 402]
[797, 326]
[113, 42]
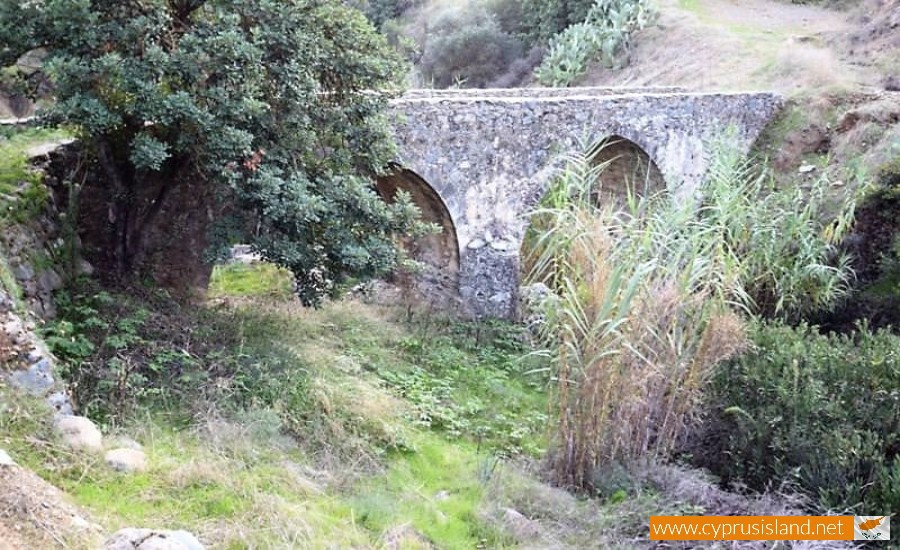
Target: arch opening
[626, 168]
[438, 253]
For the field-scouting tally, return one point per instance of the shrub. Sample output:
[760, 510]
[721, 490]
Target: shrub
[542, 19]
[637, 322]
[381, 11]
[820, 410]
[467, 47]
[605, 32]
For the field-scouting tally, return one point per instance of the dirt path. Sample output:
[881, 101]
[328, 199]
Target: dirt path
[743, 44]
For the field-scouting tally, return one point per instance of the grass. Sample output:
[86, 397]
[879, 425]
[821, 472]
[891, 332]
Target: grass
[437, 489]
[310, 428]
[248, 280]
[21, 195]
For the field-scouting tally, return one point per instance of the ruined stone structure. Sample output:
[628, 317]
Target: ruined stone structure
[477, 161]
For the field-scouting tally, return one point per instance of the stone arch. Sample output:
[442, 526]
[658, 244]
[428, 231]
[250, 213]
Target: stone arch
[627, 167]
[438, 252]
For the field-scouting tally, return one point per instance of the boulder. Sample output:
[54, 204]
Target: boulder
[126, 460]
[131, 538]
[36, 379]
[79, 433]
[5, 459]
[49, 280]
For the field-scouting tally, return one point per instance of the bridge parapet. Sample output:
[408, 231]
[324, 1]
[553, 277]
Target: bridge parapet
[592, 91]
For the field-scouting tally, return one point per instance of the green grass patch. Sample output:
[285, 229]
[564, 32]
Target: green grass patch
[395, 411]
[438, 489]
[249, 280]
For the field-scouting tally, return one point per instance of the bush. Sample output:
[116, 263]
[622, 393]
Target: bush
[381, 11]
[467, 48]
[819, 410]
[542, 19]
[605, 32]
[122, 349]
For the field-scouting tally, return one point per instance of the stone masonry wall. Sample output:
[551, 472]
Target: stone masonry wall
[492, 157]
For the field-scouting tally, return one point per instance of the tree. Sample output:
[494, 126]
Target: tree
[270, 103]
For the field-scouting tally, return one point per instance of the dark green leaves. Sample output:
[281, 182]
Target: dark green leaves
[268, 103]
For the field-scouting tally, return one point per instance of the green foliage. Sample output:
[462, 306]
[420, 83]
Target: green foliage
[435, 468]
[543, 19]
[268, 103]
[818, 410]
[22, 195]
[874, 246]
[478, 392]
[381, 11]
[467, 47]
[781, 244]
[605, 32]
[9, 284]
[119, 350]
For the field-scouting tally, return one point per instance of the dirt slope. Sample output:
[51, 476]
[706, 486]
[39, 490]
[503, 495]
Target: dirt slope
[762, 44]
[35, 514]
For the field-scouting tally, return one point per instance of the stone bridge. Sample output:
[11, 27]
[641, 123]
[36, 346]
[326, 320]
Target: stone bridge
[477, 161]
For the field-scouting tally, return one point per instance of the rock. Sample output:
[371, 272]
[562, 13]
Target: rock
[23, 272]
[5, 459]
[806, 168]
[502, 246]
[49, 280]
[79, 433]
[13, 327]
[79, 522]
[126, 460]
[44, 149]
[85, 268]
[442, 496]
[520, 527]
[34, 356]
[131, 538]
[36, 379]
[61, 403]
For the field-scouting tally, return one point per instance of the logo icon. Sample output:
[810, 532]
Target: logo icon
[872, 527]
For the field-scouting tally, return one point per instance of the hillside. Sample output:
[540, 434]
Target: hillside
[763, 44]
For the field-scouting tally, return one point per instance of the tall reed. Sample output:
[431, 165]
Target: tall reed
[648, 299]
